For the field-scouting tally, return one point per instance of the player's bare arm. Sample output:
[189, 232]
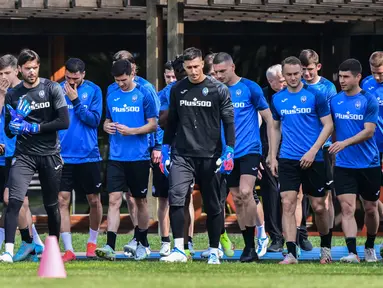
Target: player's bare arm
[275, 141]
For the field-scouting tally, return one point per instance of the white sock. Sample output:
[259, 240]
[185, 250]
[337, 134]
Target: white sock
[214, 251]
[261, 233]
[179, 244]
[92, 236]
[36, 237]
[9, 248]
[2, 237]
[67, 240]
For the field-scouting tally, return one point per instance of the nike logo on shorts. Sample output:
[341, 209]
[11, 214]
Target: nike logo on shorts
[98, 185]
[58, 167]
[329, 183]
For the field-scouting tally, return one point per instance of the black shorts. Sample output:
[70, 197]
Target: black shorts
[328, 169]
[160, 182]
[84, 178]
[245, 165]
[183, 171]
[381, 166]
[291, 176]
[23, 167]
[364, 182]
[133, 175]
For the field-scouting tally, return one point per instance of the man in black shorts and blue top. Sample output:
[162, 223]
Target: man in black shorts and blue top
[311, 66]
[131, 115]
[41, 111]
[81, 155]
[357, 166]
[304, 118]
[248, 100]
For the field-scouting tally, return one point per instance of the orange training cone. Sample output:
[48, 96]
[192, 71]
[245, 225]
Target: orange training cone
[51, 265]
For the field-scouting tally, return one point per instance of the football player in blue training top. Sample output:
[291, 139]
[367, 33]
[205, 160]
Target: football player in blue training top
[81, 155]
[130, 116]
[357, 166]
[374, 85]
[304, 118]
[311, 66]
[248, 99]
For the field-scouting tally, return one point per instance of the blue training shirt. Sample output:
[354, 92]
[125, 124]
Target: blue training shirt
[328, 89]
[79, 143]
[130, 108]
[349, 114]
[247, 97]
[154, 138]
[299, 114]
[372, 86]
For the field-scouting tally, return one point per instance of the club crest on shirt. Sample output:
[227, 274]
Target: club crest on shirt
[205, 91]
[238, 92]
[42, 94]
[134, 98]
[303, 99]
[84, 95]
[358, 104]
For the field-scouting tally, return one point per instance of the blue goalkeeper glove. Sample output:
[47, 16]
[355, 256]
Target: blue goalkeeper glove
[23, 127]
[225, 163]
[165, 160]
[22, 111]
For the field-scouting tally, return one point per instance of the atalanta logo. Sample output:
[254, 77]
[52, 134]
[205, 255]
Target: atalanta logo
[134, 98]
[303, 99]
[358, 104]
[238, 92]
[205, 91]
[42, 94]
[84, 96]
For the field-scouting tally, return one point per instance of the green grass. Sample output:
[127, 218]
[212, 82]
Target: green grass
[195, 274]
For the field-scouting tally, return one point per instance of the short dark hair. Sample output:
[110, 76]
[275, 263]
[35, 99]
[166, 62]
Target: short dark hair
[121, 67]
[74, 65]
[178, 67]
[292, 60]
[308, 56]
[8, 60]
[124, 55]
[222, 57]
[208, 63]
[27, 55]
[192, 53]
[168, 66]
[351, 65]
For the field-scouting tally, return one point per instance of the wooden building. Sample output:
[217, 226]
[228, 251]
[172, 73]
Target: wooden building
[258, 33]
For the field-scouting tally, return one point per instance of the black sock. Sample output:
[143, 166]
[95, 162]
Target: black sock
[351, 245]
[186, 246]
[214, 229]
[177, 221]
[325, 240]
[136, 232]
[25, 236]
[165, 239]
[223, 230]
[292, 248]
[370, 241]
[11, 217]
[250, 231]
[330, 232]
[190, 239]
[143, 236]
[111, 239]
[244, 235]
[54, 220]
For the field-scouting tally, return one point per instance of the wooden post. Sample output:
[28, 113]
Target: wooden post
[154, 50]
[175, 27]
[57, 58]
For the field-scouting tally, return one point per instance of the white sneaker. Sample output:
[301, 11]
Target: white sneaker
[142, 252]
[206, 253]
[130, 248]
[175, 255]
[350, 258]
[213, 259]
[370, 255]
[262, 246]
[165, 249]
[6, 257]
